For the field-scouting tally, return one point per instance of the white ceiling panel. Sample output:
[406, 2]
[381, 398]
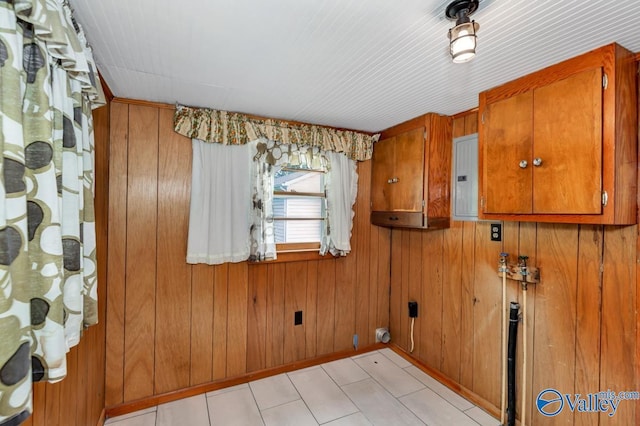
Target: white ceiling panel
[357, 64]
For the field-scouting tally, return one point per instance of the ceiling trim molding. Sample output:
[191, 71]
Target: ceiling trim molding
[105, 87]
[464, 113]
[257, 117]
[143, 103]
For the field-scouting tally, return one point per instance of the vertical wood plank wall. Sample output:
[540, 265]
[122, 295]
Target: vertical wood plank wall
[581, 318]
[79, 398]
[171, 325]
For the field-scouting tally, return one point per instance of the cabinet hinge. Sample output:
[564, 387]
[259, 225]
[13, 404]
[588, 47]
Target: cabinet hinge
[482, 202]
[482, 117]
[423, 203]
[605, 81]
[605, 198]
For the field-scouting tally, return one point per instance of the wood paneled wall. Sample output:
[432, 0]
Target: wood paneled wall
[581, 317]
[171, 325]
[79, 398]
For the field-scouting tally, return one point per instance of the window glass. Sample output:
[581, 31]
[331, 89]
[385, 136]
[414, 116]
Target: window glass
[299, 207]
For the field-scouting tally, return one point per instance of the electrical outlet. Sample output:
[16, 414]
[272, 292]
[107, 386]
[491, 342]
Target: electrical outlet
[413, 309]
[297, 318]
[496, 232]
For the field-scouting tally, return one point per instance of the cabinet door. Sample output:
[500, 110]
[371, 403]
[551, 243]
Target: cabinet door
[507, 143]
[381, 172]
[409, 169]
[567, 127]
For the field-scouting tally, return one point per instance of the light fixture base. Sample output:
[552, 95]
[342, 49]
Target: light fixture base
[455, 8]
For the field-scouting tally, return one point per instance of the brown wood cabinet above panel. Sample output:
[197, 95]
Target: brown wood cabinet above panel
[560, 145]
[411, 173]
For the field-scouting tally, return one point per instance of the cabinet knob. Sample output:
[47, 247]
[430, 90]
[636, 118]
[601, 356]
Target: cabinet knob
[537, 162]
[523, 164]
[392, 180]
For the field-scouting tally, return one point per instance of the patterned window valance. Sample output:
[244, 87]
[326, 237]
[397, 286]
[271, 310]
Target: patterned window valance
[232, 128]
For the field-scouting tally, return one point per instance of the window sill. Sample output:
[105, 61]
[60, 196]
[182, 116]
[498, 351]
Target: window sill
[295, 256]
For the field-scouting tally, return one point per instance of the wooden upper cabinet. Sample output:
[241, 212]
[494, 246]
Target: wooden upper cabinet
[411, 172]
[567, 145]
[399, 164]
[384, 170]
[507, 185]
[560, 145]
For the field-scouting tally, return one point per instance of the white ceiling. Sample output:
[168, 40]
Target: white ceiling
[356, 64]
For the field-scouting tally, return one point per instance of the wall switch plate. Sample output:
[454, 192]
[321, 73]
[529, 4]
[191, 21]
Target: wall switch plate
[297, 318]
[496, 232]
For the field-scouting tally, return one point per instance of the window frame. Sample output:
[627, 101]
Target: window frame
[311, 247]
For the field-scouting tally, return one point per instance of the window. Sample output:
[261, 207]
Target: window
[302, 201]
[299, 208]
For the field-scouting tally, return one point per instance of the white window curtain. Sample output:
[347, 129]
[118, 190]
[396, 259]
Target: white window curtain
[342, 190]
[231, 211]
[220, 206]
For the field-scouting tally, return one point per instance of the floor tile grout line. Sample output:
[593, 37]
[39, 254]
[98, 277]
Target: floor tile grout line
[303, 401]
[322, 368]
[343, 417]
[472, 419]
[425, 386]
[347, 384]
[383, 386]
[454, 407]
[382, 353]
[131, 416]
[206, 401]
[438, 393]
[255, 401]
[390, 394]
[260, 410]
[478, 421]
[352, 360]
[337, 385]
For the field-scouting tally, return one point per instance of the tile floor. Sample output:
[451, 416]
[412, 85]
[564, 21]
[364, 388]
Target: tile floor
[376, 388]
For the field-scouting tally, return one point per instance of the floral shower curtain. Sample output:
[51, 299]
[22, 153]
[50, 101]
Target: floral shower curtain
[48, 86]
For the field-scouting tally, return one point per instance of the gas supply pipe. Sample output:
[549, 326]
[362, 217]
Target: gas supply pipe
[503, 396]
[524, 272]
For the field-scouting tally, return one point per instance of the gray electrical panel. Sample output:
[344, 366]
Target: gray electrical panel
[465, 178]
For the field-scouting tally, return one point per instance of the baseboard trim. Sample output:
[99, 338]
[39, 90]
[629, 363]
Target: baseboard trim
[151, 401]
[102, 418]
[454, 386]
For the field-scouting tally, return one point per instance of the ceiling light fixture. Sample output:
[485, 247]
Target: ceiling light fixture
[462, 37]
